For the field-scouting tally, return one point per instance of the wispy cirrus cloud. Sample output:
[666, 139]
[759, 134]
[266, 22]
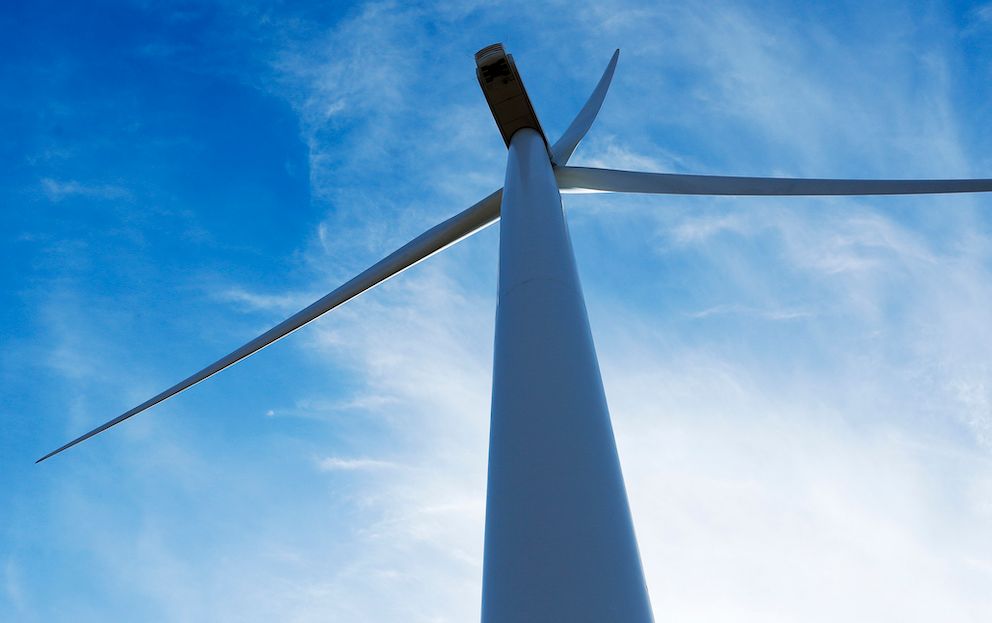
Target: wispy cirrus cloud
[708, 433]
[768, 314]
[255, 301]
[822, 467]
[57, 190]
[336, 463]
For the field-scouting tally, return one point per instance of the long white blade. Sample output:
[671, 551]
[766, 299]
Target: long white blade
[563, 148]
[420, 248]
[582, 179]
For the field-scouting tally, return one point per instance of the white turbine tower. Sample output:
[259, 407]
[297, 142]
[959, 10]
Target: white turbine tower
[559, 541]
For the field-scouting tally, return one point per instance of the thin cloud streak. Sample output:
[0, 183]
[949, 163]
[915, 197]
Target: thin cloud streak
[57, 190]
[335, 463]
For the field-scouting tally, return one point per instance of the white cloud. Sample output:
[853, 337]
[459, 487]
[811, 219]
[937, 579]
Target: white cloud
[252, 301]
[335, 463]
[609, 153]
[57, 190]
[768, 314]
[698, 229]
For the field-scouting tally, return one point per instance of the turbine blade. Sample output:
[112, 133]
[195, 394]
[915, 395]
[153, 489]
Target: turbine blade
[562, 149]
[420, 248]
[583, 179]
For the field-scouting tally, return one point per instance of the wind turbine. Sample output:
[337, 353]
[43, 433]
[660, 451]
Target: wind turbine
[559, 540]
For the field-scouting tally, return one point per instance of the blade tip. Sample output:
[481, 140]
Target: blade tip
[52, 453]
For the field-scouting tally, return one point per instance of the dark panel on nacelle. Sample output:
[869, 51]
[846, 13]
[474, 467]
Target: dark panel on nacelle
[504, 91]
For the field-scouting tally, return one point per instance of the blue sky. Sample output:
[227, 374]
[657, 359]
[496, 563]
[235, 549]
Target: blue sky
[801, 388]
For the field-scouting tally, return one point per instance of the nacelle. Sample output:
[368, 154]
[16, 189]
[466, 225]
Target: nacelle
[504, 91]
